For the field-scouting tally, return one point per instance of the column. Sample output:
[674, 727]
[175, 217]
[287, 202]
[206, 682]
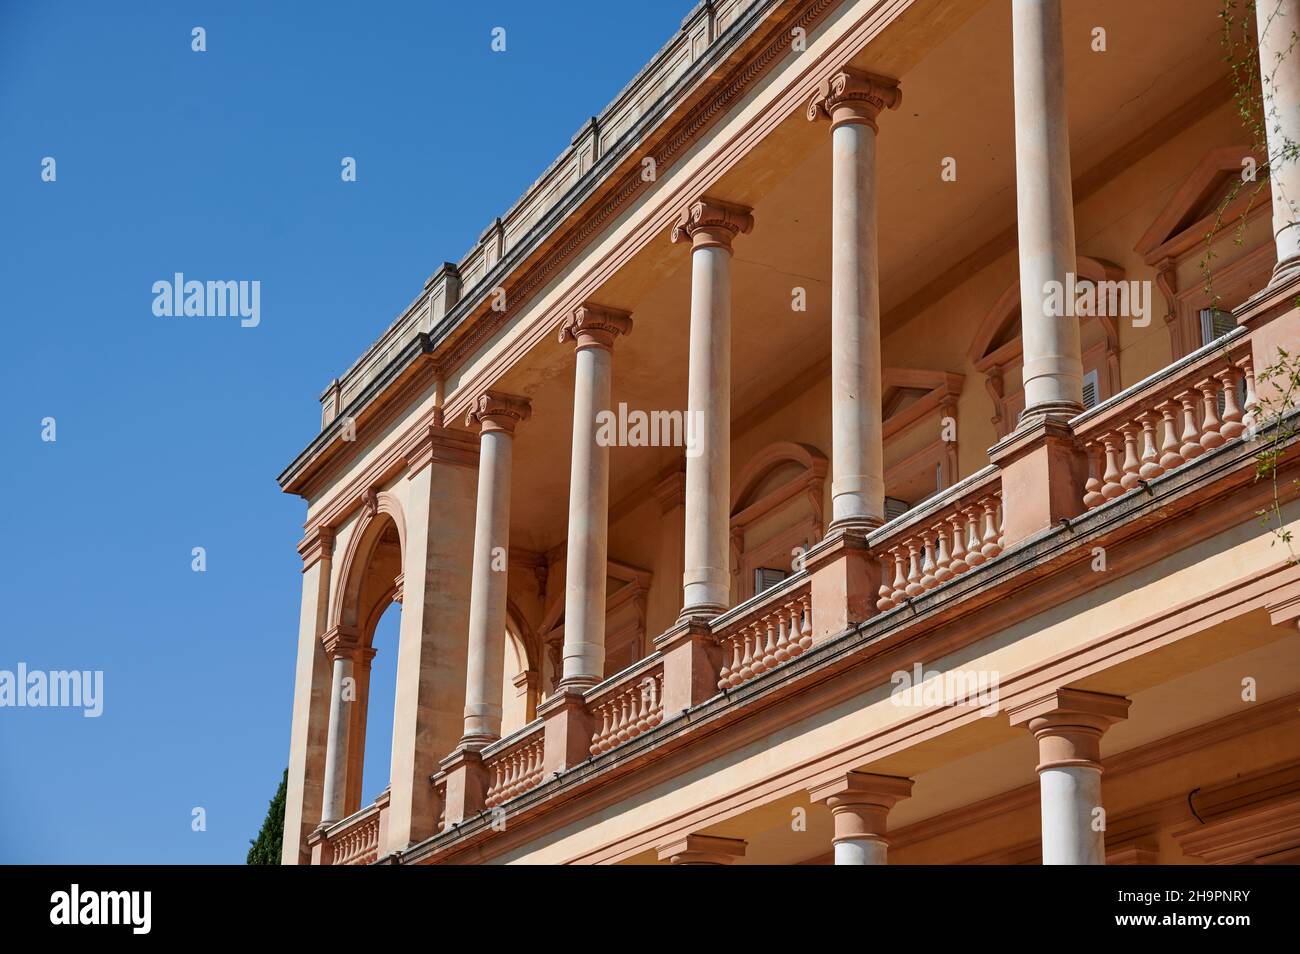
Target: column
[1279, 63]
[497, 415]
[702, 850]
[1069, 724]
[710, 225]
[593, 330]
[1053, 366]
[341, 645]
[852, 100]
[860, 804]
[311, 701]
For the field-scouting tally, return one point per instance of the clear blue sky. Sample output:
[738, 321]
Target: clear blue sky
[170, 432]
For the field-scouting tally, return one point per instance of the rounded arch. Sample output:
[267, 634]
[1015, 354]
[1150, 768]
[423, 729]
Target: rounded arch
[809, 459]
[361, 600]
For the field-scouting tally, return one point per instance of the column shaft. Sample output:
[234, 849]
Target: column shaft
[1053, 366]
[710, 225]
[1279, 63]
[498, 415]
[336, 743]
[853, 100]
[594, 330]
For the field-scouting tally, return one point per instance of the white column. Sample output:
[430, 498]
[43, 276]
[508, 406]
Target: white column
[710, 225]
[1068, 725]
[497, 415]
[852, 100]
[1053, 366]
[340, 646]
[860, 804]
[1277, 22]
[593, 329]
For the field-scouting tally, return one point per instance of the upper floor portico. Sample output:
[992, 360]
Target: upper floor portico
[830, 278]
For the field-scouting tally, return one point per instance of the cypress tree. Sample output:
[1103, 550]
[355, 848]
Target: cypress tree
[265, 850]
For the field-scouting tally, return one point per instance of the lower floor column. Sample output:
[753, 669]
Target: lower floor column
[1069, 724]
[339, 647]
[702, 850]
[860, 804]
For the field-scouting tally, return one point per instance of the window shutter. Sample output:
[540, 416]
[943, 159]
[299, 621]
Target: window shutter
[1215, 323]
[1090, 392]
[895, 508]
[766, 577]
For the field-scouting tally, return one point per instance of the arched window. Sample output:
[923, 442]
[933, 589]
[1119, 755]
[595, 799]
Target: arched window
[1212, 200]
[997, 350]
[776, 509]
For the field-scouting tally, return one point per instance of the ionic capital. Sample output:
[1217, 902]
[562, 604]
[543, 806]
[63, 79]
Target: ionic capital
[711, 223]
[1069, 724]
[854, 96]
[498, 411]
[595, 326]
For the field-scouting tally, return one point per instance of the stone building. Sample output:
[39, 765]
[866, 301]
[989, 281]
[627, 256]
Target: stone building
[838, 452]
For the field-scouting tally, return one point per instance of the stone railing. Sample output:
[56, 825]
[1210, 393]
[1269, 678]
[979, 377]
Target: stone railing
[355, 839]
[514, 765]
[631, 706]
[939, 539]
[1193, 406]
[763, 633]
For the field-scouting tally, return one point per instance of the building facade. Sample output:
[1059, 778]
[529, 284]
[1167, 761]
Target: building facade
[848, 450]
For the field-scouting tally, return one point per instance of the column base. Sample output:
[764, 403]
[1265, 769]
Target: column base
[858, 525]
[700, 612]
[1051, 411]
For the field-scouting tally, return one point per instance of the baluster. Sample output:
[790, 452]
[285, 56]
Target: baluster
[883, 602]
[900, 578]
[747, 662]
[1232, 426]
[737, 647]
[990, 547]
[914, 587]
[1191, 436]
[999, 516]
[724, 674]
[942, 557]
[620, 707]
[1131, 463]
[598, 743]
[796, 611]
[927, 563]
[782, 651]
[805, 628]
[1169, 456]
[1251, 417]
[1210, 423]
[1110, 485]
[1092, 495]
[958, 564]
[974, 545]
[1150, 467]
[775, 630]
